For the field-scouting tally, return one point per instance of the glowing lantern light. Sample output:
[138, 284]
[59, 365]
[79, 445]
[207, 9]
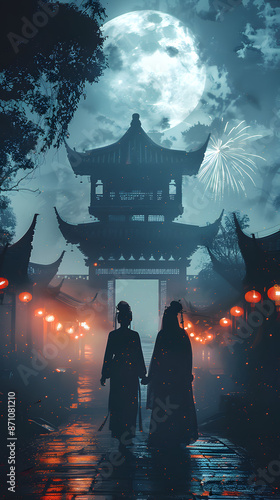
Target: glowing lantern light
[85, 325]
[192, 334]
[197, 338]
[50, 318]
[225, 322]
[274, 294]
[25, 297]
[76, 336]
[59, 327]
[210, 336]
[253, 297]
[70, 330]
[3, 283]
[236, 311]
[39, 313]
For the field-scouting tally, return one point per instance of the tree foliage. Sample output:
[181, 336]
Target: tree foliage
[49, 52]
[7, 221]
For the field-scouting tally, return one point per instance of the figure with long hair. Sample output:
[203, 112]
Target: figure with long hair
[123, 365]
[170, 396]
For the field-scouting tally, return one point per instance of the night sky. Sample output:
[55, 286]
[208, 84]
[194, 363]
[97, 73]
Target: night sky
[235, 78]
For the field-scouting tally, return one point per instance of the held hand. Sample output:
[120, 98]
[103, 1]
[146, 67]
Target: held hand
[144, 381]
[102, 381]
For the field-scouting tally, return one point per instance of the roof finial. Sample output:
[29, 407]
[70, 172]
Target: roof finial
[135, 120]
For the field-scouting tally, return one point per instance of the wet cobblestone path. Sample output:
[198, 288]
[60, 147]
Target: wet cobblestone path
[77, 463]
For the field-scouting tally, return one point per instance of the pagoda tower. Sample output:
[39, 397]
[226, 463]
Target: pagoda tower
[136, 193]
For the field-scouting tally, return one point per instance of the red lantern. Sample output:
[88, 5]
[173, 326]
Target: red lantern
[25, 297]
[253, 297]
[3, 283]
[274, 294]
[236, 311]
[225, 322]
[85, 325]
[39, 313]
[70, 330]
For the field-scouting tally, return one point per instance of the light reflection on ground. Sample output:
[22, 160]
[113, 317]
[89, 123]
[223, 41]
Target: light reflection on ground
[73, 463]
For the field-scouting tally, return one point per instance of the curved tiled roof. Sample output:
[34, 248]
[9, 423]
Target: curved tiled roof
[167, 239]
[44, 273]
[16, 257]
[261, 257]
[136, 148]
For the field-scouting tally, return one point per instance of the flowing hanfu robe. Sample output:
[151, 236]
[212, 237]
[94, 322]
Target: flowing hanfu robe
[170, 396]
[123, 364]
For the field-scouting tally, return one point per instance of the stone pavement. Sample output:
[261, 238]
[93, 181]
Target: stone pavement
[77, 463]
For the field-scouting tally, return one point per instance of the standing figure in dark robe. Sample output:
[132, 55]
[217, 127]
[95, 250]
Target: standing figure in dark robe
[123, 365]
[170, 396]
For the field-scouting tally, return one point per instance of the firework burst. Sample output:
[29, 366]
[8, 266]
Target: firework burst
[227, 164]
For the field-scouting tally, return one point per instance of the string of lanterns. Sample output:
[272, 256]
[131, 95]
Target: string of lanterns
[24, 297]
[205, 338]
[50, 318]
[60, 327]
[253, 297]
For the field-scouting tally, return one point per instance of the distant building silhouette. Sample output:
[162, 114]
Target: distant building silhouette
[136, 193]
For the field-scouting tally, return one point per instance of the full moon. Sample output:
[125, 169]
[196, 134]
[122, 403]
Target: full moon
[154, 70]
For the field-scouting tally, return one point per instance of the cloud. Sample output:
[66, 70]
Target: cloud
[196, 135]
[114, 57]
[164, 123]
[217, 94]
[172, 51]
[155, 18]
[104, 131]
[202, 6]
[167, 143]
[264, 39]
